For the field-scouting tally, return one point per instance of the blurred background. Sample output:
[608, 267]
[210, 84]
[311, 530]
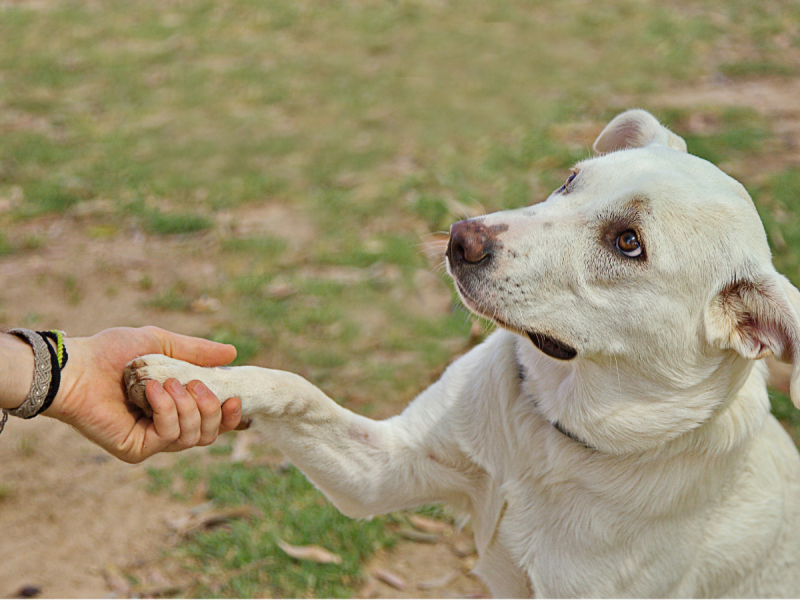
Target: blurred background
[282, 176]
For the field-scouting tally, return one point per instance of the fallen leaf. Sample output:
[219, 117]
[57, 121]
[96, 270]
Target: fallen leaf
[315, 554]
[427, 524]
[418, 536]
[463, 549]
[200, 493]
[369, 589]
[116, 581]
[390, 579]
[27, 591]
[205, 304]
[442, 581]
[206, 516]
[279, 290]
[159, 591]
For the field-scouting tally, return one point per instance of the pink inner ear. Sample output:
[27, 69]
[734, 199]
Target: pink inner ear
[763, 320]
[761, 340]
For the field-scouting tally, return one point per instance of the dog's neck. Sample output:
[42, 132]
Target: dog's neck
[618, 410]
[555, 424]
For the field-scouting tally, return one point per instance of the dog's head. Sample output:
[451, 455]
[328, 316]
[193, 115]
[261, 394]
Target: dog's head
[648, 263]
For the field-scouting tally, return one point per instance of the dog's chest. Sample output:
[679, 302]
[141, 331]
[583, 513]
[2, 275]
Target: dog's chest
[569, 540]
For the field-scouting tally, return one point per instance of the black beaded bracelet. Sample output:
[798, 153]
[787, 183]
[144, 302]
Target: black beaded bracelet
[46, 372]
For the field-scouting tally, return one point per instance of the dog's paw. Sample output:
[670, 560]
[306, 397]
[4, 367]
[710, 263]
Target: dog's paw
[153, 366]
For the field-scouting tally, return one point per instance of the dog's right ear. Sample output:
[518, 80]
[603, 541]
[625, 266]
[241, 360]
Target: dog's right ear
[758, 317]
[635, 129]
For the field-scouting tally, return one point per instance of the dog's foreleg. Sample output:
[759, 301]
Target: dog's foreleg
[365, 467]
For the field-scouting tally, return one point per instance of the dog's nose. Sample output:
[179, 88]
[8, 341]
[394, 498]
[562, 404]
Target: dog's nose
[470, 242]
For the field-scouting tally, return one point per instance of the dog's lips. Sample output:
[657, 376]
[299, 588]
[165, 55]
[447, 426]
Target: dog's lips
[547, 344]
[552, 347]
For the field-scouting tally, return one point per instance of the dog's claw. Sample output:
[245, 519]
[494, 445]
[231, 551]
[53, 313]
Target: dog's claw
[135, 385]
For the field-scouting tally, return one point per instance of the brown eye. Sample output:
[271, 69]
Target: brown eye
[569, 180]
[628, 244]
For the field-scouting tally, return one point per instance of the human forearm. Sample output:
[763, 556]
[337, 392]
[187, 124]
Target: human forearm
[16, 371]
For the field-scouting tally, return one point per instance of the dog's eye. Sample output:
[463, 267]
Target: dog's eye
[628, 244]
[564, 187]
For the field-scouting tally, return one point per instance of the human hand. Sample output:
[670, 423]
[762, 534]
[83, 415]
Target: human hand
[93, 398]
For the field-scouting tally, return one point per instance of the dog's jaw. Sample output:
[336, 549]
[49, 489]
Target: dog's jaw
[547, 344]
[552, 347]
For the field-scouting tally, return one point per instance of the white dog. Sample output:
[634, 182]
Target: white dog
[614, 438]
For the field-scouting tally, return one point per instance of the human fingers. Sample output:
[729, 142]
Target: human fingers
[191, 349]
[189, 419]
[210, 412]
[231, 415]
[164, 428]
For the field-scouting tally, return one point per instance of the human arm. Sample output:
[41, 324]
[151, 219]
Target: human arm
[92, 397]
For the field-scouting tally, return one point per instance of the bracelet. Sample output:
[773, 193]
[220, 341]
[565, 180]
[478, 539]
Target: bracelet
[47, 365]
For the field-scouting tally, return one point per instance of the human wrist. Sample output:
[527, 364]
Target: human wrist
[16, 371]
[49, 358]
[63, 405]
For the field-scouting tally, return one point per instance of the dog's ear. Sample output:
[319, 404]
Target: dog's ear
[636, 129]
[758, 317]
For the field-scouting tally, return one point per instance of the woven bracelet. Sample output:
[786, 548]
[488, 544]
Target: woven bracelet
[47, 365]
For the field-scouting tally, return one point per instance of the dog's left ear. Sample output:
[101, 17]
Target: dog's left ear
[635, 129]
[758, 317]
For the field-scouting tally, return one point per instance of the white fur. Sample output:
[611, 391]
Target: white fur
[686, 486]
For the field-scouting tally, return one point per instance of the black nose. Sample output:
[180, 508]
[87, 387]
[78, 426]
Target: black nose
[472, 242]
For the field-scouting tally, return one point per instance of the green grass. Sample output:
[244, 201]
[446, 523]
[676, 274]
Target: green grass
[174, 298]
[778, 200]
[785, 411]
[247, 344]
[739, 133]
[169, 224]
[372, 123]
[759, 68]
[291, 510]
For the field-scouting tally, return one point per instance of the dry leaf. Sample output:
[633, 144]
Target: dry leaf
[427, 524]
[116, 581]
[159, 591]
[205, 516]
[205, 304]
[315, 554]
[369, 589]
[390, 579]
[442, 581]
[463, 549]
[200, 493]
[418, 536]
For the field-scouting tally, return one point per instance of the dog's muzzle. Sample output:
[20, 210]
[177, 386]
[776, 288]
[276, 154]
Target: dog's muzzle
[471, 251]
[473, 244]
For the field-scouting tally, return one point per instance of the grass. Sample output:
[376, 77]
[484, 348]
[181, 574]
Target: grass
[6, 492]
[173, 298]
[786, 413]
[168, 224]
[291, 510]
[375, 125]
[779, 203]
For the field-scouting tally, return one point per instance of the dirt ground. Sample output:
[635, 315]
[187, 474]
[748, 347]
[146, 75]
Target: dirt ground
[70, 516]
[73, 518]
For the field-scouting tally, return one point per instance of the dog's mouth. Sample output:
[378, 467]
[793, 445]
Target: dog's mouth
[546, 343]
[551, 346]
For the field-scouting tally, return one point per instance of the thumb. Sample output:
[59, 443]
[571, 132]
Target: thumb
[193, 350]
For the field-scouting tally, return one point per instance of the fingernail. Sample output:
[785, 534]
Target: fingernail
[238, 410]
[175, 386]
[199, 389]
